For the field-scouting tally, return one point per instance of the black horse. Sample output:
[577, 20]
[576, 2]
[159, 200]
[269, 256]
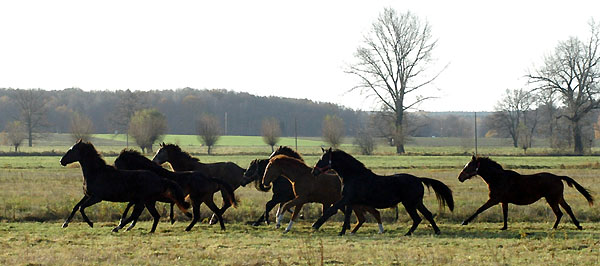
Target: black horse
[508, 186]
[282, 188]
[196, 185]
[105, 182]
[363, 187]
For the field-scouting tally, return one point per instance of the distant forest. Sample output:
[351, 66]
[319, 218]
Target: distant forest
[244, 112]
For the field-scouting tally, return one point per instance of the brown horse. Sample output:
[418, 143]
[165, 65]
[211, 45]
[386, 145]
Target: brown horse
[229, 172]
[325, 189]
[508, 186]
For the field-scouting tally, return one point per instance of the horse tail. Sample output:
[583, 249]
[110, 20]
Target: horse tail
[442, 192]
[175, 193]
[580, 188]
[226, 191]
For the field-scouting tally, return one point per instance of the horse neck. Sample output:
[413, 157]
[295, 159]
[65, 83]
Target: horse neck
[297, 173]
[492, 176]
[183, 163]
[354, 171]
[92, 166]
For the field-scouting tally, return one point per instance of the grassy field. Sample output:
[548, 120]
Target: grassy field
[36, 194]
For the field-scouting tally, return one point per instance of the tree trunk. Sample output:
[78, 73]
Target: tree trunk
[399, 138]
[30, 136]
[209, 149]
[577, 138]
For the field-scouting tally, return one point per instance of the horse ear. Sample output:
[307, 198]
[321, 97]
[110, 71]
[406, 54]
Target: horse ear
[473, 158]
[79, 141]
[329, 149]
[323, 150]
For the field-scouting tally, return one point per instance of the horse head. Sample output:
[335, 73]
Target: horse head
[272, 171]
[251, 173]
[324, 162]
[471, 169]
[162, 154]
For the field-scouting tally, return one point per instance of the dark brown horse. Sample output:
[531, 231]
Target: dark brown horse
[104, 182]
[508, 186]
[325, 189]
[229, 172]
[363, 187]
[197, 186]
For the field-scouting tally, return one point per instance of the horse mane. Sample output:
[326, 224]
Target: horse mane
[287, 159]
[180, 151]
[133, 157]
[258, 181]
[350, 163]
[489, 162]
[285, 150]
[91, 154]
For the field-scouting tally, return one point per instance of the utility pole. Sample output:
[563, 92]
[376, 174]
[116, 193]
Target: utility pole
[296, 131]
[225, 123]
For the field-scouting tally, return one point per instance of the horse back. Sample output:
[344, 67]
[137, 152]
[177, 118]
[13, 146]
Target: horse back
[124, 185]
[384, 191]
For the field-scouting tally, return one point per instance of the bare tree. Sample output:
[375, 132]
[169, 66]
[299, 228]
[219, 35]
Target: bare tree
[120, 118]
[510, 114]
[208, 130]
[572, 73]
[33, 110]
[82, 127]
[147, 126]
[14, 134]
[333, 130]
[365, 141]
[392, 64]
[271, 132]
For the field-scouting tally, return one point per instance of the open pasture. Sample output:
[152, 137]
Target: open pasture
[37, 194]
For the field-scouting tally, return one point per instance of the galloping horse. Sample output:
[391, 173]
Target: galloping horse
[282, 188]
[508, 186]
[183, 161]
[325, 189]
[199, 187]
[104, 182]
[363, 187]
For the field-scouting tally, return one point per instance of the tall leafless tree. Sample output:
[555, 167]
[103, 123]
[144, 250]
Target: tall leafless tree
[392, 64]
[208, 130]
[572, 73]
[510, 113]
[14, 134]
[147, 126]
[271, 132]
[82, 127]
[333, 130]
[32, 104]
[129, 103]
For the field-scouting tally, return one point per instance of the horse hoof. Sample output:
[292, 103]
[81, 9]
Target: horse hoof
[408, 234]
[579, 227]
[464, 223]
[115, 230]
[188, 229]
[65, 225]
[340, 234]
[438, 232]
[91, 225]
[503, 228]
[285, 231]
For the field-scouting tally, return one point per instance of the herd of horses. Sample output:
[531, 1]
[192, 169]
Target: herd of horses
[338, 181]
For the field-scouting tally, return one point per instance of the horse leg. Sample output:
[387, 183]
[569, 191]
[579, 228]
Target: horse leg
[124, 215]
[288, 205]
[346, 219]
[485, 206]
[377, 216]
[330, 212]
[68, 220]
[196, 212]
[423, 210]
[268, 207]
[294, 215]
[135, 214]
[412, 212]
[213, 207]
[505, 215]
[152, 209]
[226, 205]
[171, 213]
[360, 217]
[567, 208]
[397, 213]
[87, 203]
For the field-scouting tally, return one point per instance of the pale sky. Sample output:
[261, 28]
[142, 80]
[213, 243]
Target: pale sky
[283, 48]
